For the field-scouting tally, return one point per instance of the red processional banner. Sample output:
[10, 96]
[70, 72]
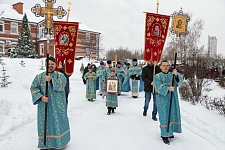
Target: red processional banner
[66, 34]
[156, 29]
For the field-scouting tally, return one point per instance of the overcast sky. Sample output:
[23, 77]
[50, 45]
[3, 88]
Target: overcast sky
[122, 22]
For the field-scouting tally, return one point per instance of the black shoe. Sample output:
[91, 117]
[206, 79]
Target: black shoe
[112, 110]
[134, 96]
[166, 140]
[100, 94]
[109, 111]
[145, 113]
[118, 94]
[154, 118]
[171, 137]
[89, 99]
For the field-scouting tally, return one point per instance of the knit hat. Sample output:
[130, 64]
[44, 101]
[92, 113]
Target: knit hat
[134, 60]
[102, 63]
[109, 61]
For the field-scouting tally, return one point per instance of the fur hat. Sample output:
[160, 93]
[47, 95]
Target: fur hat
[109, 61]
[102, 63]
[134, 60]
[118, 63]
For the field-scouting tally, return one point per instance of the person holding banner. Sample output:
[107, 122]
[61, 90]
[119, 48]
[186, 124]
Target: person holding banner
[67, 87]
[134, 74]
[163, 89]
[147, 76]
[58, 130]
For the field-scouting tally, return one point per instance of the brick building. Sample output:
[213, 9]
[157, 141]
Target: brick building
[11, 23]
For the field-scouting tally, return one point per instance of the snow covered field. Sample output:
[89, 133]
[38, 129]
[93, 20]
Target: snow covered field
[91, 127]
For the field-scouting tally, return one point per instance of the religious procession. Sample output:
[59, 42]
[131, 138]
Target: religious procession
[110, 80]
[109, 100]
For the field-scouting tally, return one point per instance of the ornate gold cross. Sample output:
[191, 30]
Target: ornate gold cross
[48, 11]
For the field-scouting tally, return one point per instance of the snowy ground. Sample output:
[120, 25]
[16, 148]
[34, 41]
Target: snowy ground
[91, 127]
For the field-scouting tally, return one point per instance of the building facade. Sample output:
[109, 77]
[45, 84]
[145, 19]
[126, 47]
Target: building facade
[11, 24]
[212, 46]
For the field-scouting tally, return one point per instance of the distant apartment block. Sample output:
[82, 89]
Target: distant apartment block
[212, 46]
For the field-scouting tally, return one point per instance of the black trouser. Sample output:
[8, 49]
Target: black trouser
[67, 94]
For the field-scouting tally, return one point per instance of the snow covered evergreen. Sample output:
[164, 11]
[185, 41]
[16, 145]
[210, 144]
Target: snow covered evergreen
[4, 78]
[25, 46]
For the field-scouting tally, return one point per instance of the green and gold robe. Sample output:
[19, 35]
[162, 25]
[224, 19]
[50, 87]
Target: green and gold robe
[58, 130]
[134, 81]
[162, 82]
[90, 85]
[111, 98]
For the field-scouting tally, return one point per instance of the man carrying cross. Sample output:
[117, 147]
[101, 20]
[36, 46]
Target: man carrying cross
[48, 92]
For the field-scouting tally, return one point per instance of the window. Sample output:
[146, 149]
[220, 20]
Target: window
[88, 37]
[42, 35]
[13, 44]
[8, 43]
[1, 26]
[87, 51]
[2, 48]
[14, 28]
[41, 49]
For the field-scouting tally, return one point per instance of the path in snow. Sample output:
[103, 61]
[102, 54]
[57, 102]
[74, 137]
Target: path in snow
[93, 129]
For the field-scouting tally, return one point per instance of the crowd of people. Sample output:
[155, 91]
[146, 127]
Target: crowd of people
[110, 81]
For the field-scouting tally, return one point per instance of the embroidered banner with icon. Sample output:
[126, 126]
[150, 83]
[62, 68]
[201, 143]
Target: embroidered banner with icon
[156, 28]
[66, 34]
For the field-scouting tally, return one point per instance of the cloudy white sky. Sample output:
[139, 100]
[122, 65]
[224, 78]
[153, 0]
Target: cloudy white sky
[121, 22]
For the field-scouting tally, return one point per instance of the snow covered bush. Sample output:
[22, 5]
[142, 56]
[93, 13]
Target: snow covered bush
[215, 103]
[12, 53]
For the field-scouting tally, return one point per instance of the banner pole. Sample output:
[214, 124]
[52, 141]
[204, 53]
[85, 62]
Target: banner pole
[157, 6]
[67, 17]
[157, 11]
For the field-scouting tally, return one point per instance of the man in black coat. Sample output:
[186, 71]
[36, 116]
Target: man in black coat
[147, 77]
[67, 87]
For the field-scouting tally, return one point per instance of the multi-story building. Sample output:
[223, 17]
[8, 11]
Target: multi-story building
[212, 46]
[11, 23]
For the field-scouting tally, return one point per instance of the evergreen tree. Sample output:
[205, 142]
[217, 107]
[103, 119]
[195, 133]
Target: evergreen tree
[25, 46]
[4, 79]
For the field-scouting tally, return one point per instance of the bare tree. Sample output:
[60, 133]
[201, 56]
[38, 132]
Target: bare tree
[123, 54]
[188, 45]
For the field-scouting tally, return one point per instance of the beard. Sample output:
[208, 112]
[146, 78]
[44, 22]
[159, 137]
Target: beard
[51, 69]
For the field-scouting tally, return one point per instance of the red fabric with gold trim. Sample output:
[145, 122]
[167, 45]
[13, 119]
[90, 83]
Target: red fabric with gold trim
[156, 29]
[66, 34]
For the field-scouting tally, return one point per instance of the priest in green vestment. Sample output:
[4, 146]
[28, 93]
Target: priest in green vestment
[163, 89]
[58, 130]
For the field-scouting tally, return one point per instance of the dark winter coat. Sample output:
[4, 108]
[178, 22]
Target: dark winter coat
[147, 76]
[85, 71]
[67, 87]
